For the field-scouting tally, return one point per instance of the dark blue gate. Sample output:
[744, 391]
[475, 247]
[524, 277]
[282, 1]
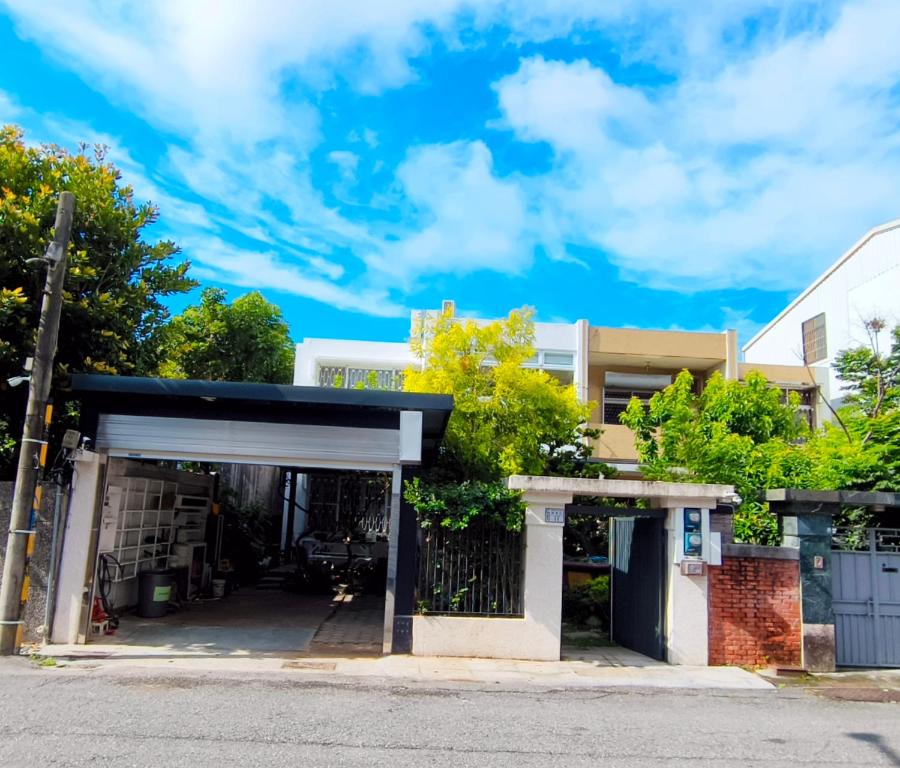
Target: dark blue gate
[638, 585]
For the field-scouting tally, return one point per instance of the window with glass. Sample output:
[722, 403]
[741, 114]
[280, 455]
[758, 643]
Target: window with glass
[619, 388]
[807, 408]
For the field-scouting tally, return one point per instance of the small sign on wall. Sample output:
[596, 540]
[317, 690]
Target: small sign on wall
[693, 567]
[554, 515]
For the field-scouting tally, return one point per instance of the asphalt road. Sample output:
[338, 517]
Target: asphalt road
[133, 717]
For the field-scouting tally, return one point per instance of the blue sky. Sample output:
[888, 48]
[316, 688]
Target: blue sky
[649, 163]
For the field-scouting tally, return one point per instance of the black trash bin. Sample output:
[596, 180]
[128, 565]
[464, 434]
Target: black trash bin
[154, 592]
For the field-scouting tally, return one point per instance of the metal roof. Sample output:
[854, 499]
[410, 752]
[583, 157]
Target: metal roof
[246, 401]
[258, 392]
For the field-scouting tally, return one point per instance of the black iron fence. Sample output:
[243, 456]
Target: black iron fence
[475, 571]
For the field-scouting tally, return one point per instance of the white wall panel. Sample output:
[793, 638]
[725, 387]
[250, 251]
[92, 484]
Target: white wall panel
[864, 284]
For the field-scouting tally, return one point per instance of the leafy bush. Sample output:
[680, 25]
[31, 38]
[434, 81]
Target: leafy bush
[588, 604]
[456, 505]
[755, 524]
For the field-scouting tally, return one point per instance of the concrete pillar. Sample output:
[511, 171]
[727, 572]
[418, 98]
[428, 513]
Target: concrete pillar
[76, 569]
[687, 595]
[582, 360]
[393, 538]
[405, 558]
[731, 355]
[544, 521]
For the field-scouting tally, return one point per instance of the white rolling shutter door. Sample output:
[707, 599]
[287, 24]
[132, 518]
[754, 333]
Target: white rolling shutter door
[241, 442]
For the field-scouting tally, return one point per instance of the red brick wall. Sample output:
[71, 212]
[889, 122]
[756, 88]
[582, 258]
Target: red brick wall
[754, 612]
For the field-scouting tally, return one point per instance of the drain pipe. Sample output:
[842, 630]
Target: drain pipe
[51, 569]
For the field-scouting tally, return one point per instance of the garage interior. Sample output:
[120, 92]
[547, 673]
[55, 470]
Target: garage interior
[211, 561]
[247, 519]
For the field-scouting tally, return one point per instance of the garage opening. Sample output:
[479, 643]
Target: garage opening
[198, 559]
[613, 607]
[245, 518]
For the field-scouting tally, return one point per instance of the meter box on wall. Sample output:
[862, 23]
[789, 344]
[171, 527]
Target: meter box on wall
[693, 532]
[693, 543]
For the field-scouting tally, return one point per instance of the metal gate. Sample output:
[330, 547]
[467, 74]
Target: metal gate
[866, 601]
[638, 549]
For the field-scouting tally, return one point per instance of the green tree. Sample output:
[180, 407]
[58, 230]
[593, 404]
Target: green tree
[507, 419]
[871, 376]
[739, 433]
[862, 451]
[247, 340]
[113, 310]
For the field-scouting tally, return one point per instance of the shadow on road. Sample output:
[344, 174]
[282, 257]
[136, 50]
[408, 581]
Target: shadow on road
[877, 741]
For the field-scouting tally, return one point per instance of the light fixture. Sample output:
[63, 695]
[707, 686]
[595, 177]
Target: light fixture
[16, 380]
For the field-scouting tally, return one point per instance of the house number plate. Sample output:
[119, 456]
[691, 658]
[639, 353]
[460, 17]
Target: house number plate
[554, 516]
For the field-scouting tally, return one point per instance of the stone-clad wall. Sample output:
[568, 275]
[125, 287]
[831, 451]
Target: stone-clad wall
[754, 607]
[40, 561]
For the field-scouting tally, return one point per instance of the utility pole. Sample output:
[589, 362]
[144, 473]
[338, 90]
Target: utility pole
[33, 451]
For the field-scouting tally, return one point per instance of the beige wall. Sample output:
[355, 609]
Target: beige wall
[779, 374]
[615, 443]
[630, 341]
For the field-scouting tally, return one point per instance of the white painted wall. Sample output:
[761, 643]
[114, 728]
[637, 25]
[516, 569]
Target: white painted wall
[311, 353]
[687, 607]
[863, 283]
[75, 574]
[561, 337]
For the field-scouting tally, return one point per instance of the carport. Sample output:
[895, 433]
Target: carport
[393, 433]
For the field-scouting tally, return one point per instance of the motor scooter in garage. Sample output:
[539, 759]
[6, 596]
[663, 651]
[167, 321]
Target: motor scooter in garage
[331, 561]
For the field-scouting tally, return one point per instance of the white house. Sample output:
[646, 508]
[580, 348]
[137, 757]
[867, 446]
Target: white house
[327, 362]
[830, 315]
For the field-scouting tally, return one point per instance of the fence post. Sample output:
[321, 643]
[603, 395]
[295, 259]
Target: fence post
[405, 584]
[807, 526]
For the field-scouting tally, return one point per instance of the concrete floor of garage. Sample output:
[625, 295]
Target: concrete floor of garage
[252, 622]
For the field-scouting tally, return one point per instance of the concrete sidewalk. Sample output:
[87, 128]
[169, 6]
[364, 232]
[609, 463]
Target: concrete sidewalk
[612, 672]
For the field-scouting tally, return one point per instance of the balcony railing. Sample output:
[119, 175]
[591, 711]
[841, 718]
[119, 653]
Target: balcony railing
[347, 377]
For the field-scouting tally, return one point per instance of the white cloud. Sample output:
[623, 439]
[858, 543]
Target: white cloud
[571, 105]
[9, 110]
[219, 67]
[466, 218]
[217, 260]
[766, 142]
[722, 178]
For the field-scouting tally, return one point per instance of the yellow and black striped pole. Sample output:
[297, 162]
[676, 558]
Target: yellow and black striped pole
[31, 531]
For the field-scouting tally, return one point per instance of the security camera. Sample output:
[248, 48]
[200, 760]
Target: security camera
[16, 380]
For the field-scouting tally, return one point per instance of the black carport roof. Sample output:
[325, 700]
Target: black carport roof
[245, 401]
